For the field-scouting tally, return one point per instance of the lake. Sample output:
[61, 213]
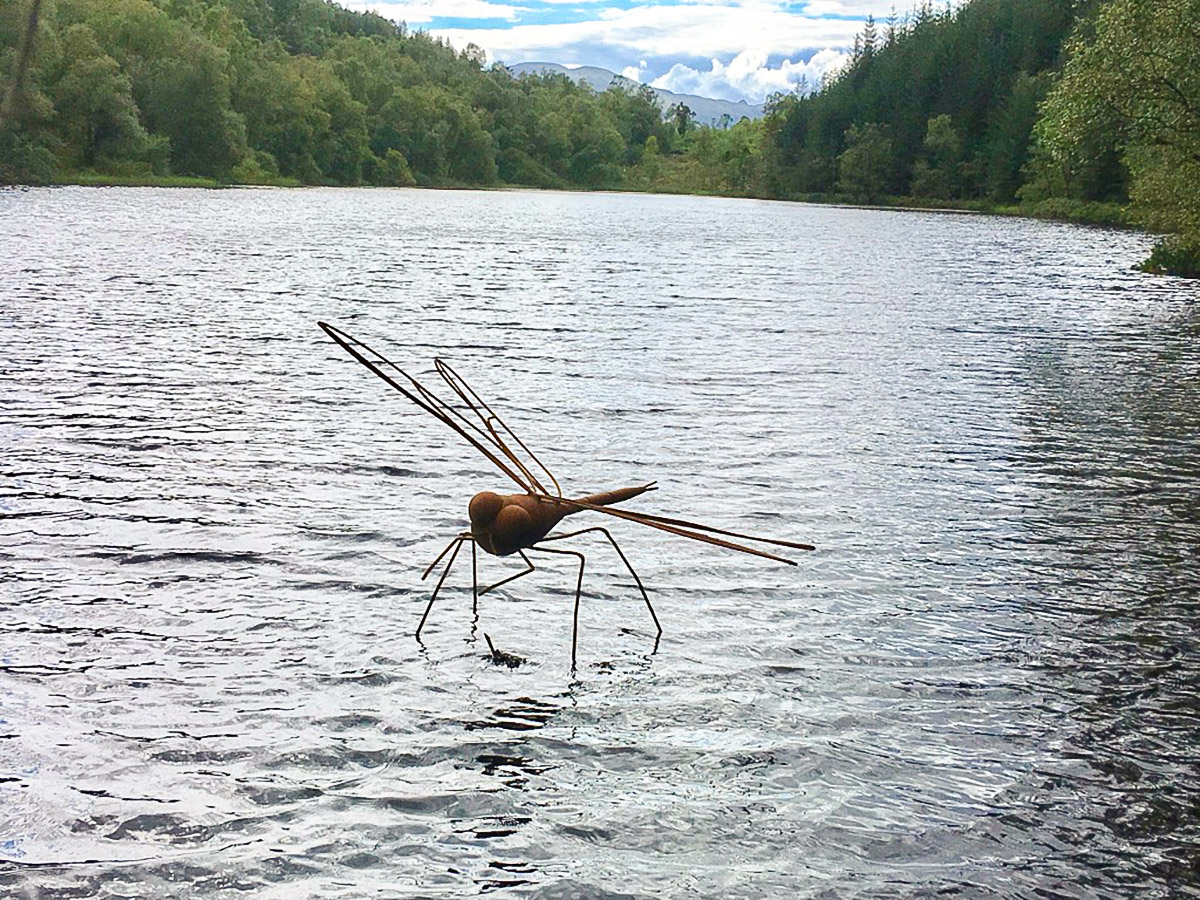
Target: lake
[213, 526]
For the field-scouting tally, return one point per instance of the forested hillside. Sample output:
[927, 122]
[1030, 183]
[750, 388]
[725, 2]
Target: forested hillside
[1088, 108]
[1064, 104]
[258, 90]
[940, 106]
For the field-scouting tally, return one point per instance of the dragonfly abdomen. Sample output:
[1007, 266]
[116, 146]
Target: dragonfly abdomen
[608, 498]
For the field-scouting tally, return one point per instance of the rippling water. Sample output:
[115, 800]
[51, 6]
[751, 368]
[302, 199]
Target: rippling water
[213, 525]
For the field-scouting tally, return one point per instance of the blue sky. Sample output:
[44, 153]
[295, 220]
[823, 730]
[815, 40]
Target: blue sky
[734, 49]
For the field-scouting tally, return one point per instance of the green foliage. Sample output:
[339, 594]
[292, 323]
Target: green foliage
[95, 113]
[287, 91]
[1067, 209]
[27, 140]
[1130, 91]
[135, 179]
[727, 161]
[963, 64]
[683, 117]
[975, 106]
[596, 148]
[186, 99]
[439, 135]
[636, 115]
[24, 159]
[865, 165]
[393, 170]
[1176, 255]
[937, 175]
[1010, 133]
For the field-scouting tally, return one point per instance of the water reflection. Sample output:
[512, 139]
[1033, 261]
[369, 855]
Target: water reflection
[1108, 472]
[524, 714]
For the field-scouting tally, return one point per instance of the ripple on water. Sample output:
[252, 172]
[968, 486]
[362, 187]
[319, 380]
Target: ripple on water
[983, 683]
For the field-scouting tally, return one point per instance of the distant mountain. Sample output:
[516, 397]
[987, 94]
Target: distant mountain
[708, 111]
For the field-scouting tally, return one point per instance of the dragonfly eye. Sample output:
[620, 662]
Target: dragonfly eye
[484, 508]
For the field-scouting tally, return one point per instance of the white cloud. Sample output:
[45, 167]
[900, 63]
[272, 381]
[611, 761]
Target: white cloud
[702, 29]
[749, 75]
[880, 9]
[416, 12]
[876, 8]
[745, 33]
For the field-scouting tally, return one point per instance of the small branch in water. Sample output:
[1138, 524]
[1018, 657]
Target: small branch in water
[499, 657]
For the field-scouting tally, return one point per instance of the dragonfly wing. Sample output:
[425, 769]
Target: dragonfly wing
[693, 530]
[486, 443]
[649, 519]
[485, 418]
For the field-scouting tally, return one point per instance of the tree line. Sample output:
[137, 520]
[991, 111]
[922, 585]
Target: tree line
[1068, 107]
[296, 90]
[1071, 107]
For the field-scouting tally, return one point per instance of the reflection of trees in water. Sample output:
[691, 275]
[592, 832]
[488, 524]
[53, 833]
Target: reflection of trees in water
[1111, 474]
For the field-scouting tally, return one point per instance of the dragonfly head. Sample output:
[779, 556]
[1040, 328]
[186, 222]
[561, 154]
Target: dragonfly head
[484, 508]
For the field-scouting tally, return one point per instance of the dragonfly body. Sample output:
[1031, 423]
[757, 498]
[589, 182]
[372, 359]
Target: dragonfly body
[521, 523]
[502, 525]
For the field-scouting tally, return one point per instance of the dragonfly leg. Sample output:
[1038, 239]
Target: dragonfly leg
[492, 587]
[456, 544]
[624, 559]
[578, 592]
[450, 546]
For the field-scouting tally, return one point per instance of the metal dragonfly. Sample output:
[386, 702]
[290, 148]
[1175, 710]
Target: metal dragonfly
[521, 523]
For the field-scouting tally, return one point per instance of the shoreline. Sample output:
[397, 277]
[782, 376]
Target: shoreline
[1111, 215]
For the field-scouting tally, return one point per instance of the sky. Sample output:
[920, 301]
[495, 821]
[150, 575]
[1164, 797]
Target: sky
[731, 49]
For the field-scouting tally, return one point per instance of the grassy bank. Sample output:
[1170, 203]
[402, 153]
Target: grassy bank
[691, 173]
[143, 179]
[99, 179]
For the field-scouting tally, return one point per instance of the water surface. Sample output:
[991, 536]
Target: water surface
[213, 526]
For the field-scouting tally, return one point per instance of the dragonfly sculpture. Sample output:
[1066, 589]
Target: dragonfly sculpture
[521, 522]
